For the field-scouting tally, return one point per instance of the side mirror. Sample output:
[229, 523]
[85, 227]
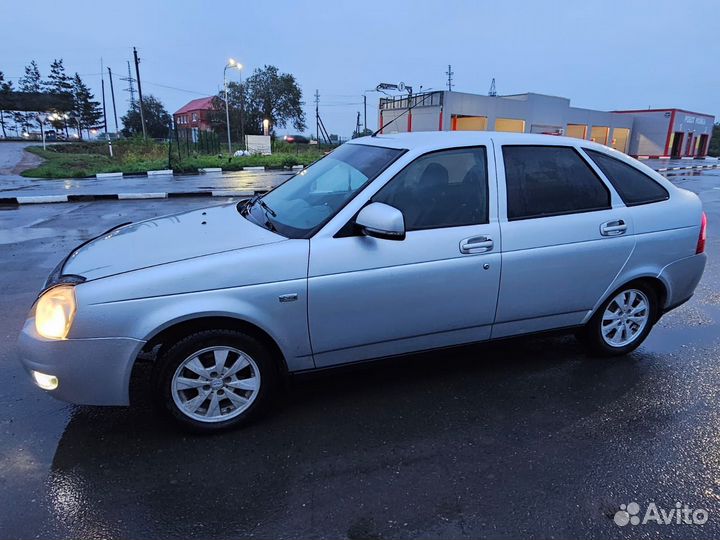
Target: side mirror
[381, 221]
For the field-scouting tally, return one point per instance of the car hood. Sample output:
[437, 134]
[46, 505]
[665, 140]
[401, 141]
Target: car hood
[166, 239]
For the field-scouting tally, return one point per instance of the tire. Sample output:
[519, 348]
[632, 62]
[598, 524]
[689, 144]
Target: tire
[634, 323]
[214, 380]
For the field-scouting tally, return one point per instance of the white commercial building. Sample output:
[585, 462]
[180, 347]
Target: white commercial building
[656, 133]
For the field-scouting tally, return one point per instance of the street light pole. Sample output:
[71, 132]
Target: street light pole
[242, 111]
[231, 63]
[227, 110]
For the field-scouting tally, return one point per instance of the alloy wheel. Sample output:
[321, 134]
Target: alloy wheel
[625, 318]
[215, 384]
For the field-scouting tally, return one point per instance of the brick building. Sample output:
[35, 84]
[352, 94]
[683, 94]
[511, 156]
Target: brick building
[195, 116]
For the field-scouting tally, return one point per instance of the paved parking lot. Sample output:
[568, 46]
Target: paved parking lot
[523, 438]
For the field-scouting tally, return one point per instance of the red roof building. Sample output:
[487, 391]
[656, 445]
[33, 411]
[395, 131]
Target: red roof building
[195, 115]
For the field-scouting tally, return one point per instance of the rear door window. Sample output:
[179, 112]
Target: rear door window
[634, 186]
[549, 181]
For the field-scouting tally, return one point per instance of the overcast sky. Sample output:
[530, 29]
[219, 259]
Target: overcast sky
[605, 54]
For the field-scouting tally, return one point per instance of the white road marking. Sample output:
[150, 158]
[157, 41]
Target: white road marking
[123, 196]
[40, 199]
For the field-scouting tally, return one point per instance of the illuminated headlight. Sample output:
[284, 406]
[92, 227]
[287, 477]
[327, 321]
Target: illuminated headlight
[55, 311]
[45, 381]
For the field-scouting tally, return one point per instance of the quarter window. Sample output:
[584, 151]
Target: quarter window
[441, 189]
[549, 181]
[633, 186]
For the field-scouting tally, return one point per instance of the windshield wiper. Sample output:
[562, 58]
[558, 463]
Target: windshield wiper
[268, 212]
[267, 208]
[245, 207]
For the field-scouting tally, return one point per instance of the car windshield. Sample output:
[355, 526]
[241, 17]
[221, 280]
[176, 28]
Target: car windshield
[303, 204]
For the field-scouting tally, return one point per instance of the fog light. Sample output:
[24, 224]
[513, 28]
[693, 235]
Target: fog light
[45, 381]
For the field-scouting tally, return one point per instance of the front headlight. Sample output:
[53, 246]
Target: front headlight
[55, 311]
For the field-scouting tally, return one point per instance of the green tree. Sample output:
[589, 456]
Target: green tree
[274, 96]
[58, 83]
[157, 119]
[218, 117]
[5, 88]
[30, 82]
[267, 94]
[714, 149]
[86, 112]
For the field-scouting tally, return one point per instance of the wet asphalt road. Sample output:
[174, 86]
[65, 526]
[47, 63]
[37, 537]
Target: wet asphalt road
[523, 438]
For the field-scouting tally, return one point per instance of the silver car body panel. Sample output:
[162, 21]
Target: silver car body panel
[331, 300]
[167, 239]
[370, 297]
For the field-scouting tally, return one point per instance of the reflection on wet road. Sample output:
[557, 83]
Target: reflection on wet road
[525, 437]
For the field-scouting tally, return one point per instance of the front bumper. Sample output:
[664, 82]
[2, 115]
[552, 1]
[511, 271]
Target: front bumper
[90, 371]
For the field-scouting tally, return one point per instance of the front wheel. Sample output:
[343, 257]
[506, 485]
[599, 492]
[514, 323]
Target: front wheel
[215, 379]
[622, 322]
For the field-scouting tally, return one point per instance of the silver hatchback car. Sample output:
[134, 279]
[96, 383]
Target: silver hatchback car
[389, 245]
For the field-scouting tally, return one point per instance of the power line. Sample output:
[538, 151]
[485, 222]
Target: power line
[176, 88]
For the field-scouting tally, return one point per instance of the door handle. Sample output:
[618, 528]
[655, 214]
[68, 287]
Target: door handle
[613, 228]
[476, 244]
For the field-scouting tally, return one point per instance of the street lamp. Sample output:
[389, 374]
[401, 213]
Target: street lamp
[231, 64]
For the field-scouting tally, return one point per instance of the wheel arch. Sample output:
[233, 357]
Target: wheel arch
[658, 286]
[170, 333]
[164, 336]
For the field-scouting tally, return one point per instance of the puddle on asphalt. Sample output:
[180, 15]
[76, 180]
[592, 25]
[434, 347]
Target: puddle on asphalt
[697, 328]
[25, 234]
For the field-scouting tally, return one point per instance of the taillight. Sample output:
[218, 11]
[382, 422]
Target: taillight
[703, 235]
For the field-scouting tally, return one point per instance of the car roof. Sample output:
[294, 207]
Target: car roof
[420, 142]
[435, 140]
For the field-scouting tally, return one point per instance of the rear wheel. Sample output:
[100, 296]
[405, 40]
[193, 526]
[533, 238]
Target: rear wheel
[215, 379]
[623, 321]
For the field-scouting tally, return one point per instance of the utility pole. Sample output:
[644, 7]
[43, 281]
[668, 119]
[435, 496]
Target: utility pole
[365, 111]
[449, 74]
[102, 86]
[317, 115]
[137, 74]
[112, 94]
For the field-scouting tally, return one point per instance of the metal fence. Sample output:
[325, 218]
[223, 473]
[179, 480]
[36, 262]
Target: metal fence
[186, 143]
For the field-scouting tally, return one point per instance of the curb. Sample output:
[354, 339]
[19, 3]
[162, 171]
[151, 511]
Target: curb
[688, 168]
[205, 170]
[48, 199]
[699, 158]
